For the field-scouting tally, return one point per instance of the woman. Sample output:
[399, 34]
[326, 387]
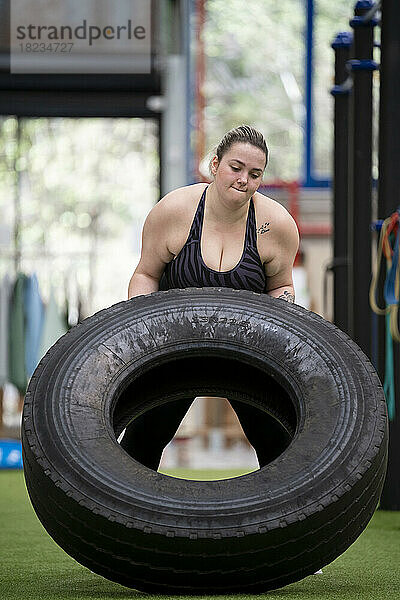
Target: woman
[222, 234]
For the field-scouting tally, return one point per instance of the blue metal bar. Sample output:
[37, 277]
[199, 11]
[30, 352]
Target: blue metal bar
[307, 167]
[314, 182]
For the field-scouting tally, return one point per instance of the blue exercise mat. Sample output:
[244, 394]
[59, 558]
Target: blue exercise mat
[10, 454]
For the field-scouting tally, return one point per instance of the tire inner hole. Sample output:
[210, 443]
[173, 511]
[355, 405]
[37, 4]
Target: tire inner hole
[149, 410]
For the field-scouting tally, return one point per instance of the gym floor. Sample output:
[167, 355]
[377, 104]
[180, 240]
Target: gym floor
[33, 566]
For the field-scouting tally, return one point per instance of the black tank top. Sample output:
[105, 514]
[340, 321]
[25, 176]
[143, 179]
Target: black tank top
[188, 268]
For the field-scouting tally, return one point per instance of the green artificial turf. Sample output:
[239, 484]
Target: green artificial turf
[202, 475]
[33, 567]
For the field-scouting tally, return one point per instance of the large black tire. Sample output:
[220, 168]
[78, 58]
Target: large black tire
[162, 534]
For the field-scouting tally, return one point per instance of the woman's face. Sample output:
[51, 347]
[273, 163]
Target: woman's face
[239, 173]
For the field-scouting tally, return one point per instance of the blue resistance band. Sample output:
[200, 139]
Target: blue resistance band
[390, 282]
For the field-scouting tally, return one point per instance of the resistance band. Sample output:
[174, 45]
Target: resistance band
[389, 245]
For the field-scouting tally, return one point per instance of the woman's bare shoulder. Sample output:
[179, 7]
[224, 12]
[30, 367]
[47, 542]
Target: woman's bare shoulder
[177, 205]
[275, 227]
[181, 196]
[269, 210]
[174, 213]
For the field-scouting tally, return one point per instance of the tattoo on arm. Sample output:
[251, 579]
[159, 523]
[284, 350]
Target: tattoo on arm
[287, 296]
[263, 228]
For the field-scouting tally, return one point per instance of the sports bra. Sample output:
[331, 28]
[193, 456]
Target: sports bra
[188, 268]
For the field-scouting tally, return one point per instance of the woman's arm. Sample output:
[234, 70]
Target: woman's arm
[155, 254]
[279, 269]
[140, 284]
[285, 292]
